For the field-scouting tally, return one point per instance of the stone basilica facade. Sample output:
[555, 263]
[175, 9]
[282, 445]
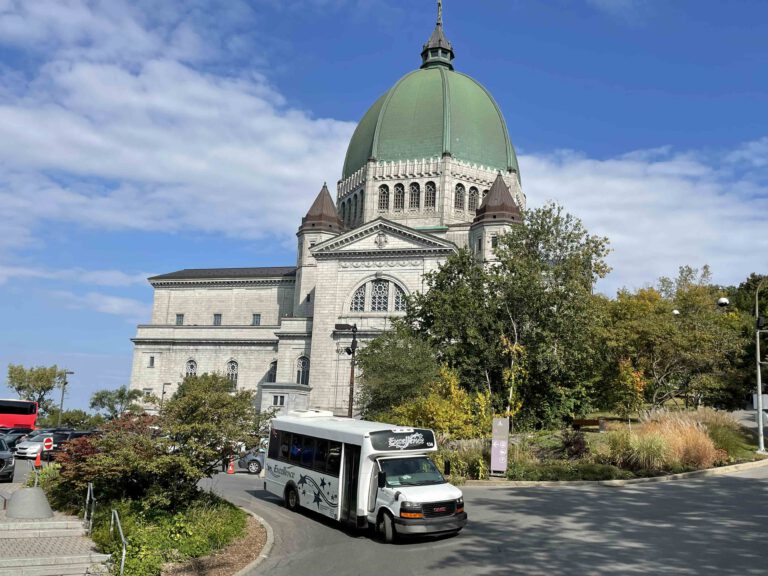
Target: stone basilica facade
[429, 169]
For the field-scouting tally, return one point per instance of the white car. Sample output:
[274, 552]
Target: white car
[31, 447]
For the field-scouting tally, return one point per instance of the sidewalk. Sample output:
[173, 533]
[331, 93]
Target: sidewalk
[55, 546]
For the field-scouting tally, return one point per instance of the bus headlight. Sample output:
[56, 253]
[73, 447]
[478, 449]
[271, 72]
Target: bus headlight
[460, 505]
[410, 510]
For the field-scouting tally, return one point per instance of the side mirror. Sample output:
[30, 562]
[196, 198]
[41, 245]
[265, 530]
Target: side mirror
[382, 479]
[447, 468]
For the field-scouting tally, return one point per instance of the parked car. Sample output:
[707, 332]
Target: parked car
[253, 461]
[14, 436]
[7, 462]
[32, 446]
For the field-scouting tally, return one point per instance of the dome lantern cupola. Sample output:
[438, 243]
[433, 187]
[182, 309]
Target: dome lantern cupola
[438, 50]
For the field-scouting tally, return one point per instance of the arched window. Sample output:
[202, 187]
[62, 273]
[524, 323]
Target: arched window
[399, 299]
[458, 203]
[232, 372]
[362, 205]
[272, 372]
[383, 198]
[379, 296]
[344, 212]
[353, 216]
[430, 196]
[302, 370]
[473, 195]
[415, 196]
[399, 196]
[358, 300]
[191, 368]
[485, 192]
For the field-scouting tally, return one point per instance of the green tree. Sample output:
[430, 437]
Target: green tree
[675, 334]
[207, 422]
[115, 402]
[77, 419]
[36, 384]
[543, 288]
[460, 316]
[396, 367]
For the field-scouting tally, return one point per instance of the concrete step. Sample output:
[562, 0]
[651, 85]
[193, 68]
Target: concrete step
[83, 569]
[44, 533]
[40, 525]
[51, 562]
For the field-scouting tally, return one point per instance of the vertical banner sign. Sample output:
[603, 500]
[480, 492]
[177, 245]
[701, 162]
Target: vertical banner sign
[499, 445]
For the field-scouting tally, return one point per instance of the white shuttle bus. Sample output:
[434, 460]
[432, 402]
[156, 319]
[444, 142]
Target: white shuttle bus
[367, 474]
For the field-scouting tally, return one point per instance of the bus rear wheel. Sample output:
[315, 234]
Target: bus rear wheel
[291, 499]
[387, 528]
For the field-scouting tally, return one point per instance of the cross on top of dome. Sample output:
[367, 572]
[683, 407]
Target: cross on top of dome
[438, 50]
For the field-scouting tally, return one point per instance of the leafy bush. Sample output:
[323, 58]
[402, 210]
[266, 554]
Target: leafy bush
[575, 444]
[157, 537]
[469, 459]
[447, 408]
[564, 471]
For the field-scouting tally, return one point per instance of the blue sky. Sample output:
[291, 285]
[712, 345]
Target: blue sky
[139, 137]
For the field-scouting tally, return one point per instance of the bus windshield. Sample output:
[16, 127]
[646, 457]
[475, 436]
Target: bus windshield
[419, 471]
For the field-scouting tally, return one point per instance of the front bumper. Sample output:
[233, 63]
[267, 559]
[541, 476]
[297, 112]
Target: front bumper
[440, 525]
[27, 452]
[7, 470]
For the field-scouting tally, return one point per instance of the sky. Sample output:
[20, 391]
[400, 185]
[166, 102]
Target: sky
[142, 137]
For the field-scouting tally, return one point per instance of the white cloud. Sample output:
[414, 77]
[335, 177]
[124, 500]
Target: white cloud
[661, 210]
[113, 278]
[132, 310]
[146, 140]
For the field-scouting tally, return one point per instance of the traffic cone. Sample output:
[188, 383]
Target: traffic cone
[231, 467]
[38, 460]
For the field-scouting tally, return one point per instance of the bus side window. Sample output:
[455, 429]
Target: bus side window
[307, 451]
[296, 443]
[285, 440]
[333, 463]
[274, 443]
[321, 453]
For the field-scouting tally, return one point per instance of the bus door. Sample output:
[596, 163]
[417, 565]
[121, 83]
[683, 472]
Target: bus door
[350, 476]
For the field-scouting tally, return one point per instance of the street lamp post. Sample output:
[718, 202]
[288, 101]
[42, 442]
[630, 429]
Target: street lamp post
[61, 403]
[351, 351]
[758, 330]
[162, 394]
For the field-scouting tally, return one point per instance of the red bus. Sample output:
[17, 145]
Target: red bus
[18, 414]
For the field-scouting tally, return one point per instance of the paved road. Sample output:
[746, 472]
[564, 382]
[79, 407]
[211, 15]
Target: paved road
[714, 525]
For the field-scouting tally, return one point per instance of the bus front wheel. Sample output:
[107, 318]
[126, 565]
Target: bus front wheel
[291, 499]
[387, 528]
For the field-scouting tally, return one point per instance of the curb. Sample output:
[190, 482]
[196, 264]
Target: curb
[619, 483]
[264, 551]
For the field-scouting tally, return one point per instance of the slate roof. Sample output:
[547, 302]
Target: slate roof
[498, 204]
[228, 273]
[322, 214]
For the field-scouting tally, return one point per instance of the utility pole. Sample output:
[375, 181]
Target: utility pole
[759, 323]
[61, 404]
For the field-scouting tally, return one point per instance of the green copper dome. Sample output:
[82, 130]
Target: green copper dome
[431, 112]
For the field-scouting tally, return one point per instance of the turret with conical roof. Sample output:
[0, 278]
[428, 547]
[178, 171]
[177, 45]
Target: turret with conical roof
[322, 214]
[321, 223]
[494, 217]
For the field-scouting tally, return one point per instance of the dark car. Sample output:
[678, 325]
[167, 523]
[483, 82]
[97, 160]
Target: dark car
[32, 446]
[12, 438]
[253, 461]
[7, 462]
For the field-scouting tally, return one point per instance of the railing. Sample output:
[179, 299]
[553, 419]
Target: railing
[90, 509]
[33, 468]
[116, 521]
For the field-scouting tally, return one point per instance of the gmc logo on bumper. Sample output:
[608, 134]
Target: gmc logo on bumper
[440, 509]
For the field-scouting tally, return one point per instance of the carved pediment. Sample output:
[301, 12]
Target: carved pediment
[382, 238]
